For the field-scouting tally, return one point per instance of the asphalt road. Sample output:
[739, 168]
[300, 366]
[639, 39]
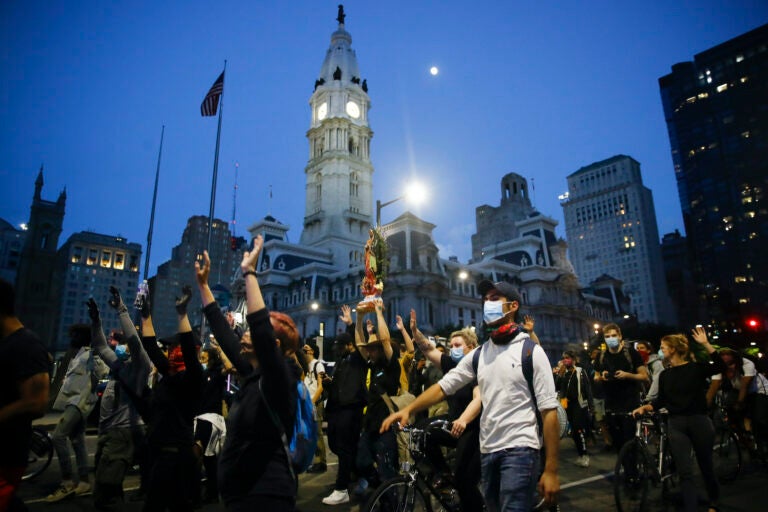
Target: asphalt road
[583, 489]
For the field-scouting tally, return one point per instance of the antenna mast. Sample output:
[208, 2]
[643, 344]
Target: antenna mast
[234, 201]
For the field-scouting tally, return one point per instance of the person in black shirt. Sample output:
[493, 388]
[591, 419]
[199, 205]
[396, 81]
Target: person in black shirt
[620, 368]
[464, 409]
[344, 407]
[174, 402]
[682, 391]
[573, 387]
[24, 384]
[383, 382]
[254, 470]
[210, 419]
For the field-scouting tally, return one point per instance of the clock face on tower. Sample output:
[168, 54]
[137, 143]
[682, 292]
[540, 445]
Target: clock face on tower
[322, 111]
[353, 110]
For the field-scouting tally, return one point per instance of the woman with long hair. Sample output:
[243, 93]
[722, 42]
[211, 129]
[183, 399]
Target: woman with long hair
[682, 391]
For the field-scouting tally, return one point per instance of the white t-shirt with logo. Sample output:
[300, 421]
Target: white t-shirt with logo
[316, 366]
[508, 419]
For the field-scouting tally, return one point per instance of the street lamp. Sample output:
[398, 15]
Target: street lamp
[314, 306]
[415, 192]
[463, 275]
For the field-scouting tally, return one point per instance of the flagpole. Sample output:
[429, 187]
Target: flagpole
[154, 202]
[213, 189]
[215, 165]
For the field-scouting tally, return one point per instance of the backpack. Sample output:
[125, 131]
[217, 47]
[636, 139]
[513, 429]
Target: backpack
[527, 364]
[301, 450]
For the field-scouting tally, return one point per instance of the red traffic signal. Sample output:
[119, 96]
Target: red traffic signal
[753, 323]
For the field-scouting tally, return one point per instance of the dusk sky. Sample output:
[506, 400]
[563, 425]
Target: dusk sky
[536, 88]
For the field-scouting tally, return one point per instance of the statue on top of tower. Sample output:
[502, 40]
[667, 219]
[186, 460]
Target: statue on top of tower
[341, 16]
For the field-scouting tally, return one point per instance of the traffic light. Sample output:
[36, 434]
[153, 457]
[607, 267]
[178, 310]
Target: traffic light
[753, 323]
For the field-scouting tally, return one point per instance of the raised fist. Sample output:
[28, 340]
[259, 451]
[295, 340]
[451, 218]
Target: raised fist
[115, 301]
[183, 301]
[93, 311]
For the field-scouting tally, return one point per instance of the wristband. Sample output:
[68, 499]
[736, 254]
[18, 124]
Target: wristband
[249, 273]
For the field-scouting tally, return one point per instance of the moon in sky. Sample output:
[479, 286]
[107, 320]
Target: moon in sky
[433, 71]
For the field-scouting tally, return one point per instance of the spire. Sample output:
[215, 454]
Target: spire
[340, 59]
[39, 183]
[62, 197]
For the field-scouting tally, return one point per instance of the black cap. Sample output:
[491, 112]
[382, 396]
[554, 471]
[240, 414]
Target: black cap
[343, 338]
[504, 288]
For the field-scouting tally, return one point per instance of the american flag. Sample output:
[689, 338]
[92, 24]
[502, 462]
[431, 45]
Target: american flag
[210, 104]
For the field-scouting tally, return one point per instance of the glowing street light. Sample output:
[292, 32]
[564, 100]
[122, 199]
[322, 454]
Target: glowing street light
[463, 275]
[414, 193]
[314, 306]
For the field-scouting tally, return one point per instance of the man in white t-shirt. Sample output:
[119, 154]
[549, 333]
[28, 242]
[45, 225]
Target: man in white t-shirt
[740, 373]
[509, 437]
[314, 382]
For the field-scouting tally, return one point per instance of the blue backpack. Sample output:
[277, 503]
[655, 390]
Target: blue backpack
[301, 450]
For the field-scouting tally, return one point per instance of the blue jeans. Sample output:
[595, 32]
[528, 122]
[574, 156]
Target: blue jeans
[509, 479]
[71, 427]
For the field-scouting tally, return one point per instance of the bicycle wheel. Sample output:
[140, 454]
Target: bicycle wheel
[726, 457]
[399, 494]
[40, 453]
[631, 478]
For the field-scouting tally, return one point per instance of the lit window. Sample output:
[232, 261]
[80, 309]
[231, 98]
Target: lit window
[743, 79]
[739, 58]
[722, 87]
[106, 258]
[703, 95]
[745, 134]
[119, 261]
[92, 255]
[744, 301]
[740, 279]
[750, 215]
[709, 79]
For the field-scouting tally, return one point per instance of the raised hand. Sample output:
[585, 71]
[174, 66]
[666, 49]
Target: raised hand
[414, 327]
[251, 257]
[183, 301]
[202, 269]
[93, 311]
[699, 334]
[528, 323]
[346, 314]
[369, 326]
[399, 322]
[115, 301]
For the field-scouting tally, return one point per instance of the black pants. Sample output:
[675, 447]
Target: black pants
[697, 432]
[171, 479]
[577, 416]
[344, 427]
[621, 426]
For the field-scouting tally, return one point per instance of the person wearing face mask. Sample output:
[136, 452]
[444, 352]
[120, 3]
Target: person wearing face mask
[653, 363]
[121, 428]
[622, 372]
[255, 472]
[509, 434]
[573, 387]
[463, 411]
[344, 406]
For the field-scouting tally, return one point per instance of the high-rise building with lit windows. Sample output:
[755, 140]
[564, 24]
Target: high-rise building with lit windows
[610, 224]
[716, 108]
[89, 263]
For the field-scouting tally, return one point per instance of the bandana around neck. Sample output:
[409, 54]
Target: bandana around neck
[503, 334]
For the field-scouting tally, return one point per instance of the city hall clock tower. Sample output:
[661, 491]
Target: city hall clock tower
[339, 174]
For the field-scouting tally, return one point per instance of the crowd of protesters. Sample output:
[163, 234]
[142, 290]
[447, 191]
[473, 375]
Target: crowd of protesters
[167, 404]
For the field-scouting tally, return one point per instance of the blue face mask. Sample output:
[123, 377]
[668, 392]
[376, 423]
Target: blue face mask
[612, 342]
[661, 354]
[457, 353]
[492, 311]
[121, 351]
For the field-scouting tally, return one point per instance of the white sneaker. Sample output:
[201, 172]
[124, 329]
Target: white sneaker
[82, 488]
[582, 461]
[65, 490]
[337, 498]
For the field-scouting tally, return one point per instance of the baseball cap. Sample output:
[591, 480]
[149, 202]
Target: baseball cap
[504, 288]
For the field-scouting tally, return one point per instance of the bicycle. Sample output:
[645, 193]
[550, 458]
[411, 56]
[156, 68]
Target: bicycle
[726, 457]
[40, 453]
[638, 466]
[413, 489]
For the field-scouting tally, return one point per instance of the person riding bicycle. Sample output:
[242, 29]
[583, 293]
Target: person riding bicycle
[463, 411]
[682, 392]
